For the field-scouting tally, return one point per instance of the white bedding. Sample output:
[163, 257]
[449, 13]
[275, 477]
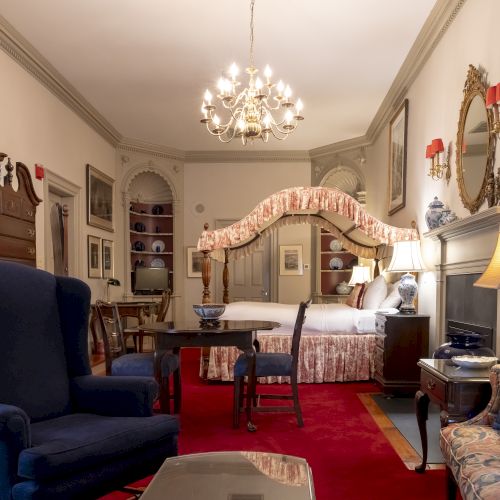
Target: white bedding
[320, 318]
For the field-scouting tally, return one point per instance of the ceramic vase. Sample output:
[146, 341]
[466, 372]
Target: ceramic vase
[461, 344]
[434, 213]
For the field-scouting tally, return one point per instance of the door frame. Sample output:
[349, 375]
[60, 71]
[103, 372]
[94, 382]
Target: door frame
[70, 193]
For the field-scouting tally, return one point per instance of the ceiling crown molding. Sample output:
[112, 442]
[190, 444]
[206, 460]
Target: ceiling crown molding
[247, 156]
[137, 146]
[440, 19]
[339, 147]
[17, 47]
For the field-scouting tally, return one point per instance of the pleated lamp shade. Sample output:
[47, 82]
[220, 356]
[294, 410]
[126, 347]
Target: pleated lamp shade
[406, 257]
[491, 277]
[360, 274]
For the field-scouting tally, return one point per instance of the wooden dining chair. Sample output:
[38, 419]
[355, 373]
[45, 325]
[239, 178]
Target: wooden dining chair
[268, 364]
[138, 336]
[158, 364]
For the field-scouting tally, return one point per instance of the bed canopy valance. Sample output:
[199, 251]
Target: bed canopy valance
[328, 208]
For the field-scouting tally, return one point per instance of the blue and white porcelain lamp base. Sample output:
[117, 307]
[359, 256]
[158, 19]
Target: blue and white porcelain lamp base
[407, 289]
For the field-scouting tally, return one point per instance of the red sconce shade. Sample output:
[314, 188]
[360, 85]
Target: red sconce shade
[491, 96]
[428, 151]
[498, 92]
[437, 145]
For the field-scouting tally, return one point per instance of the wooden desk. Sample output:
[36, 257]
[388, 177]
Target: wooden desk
[241, 334]
[136, 309]
[461, 393]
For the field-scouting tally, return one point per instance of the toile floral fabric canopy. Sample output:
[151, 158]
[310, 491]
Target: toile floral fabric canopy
[328, 208]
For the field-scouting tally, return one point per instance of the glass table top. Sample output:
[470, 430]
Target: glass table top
[243, 475]
[446, 370]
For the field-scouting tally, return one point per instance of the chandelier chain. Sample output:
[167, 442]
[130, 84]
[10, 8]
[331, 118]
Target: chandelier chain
[252, 4]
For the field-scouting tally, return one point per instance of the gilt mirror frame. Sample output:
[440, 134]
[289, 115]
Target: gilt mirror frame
[475, 85]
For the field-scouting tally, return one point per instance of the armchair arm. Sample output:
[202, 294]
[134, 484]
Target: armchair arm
[14, 437]
[488, 415]
[114, 396]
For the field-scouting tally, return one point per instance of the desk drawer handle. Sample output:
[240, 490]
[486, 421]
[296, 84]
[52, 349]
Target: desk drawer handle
[31, 232]
[431, 385]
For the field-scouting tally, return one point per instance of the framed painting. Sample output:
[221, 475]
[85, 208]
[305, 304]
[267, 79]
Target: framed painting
[94, 257]
[107, 259]
[194, 262]
[398, 134]
[99, 199]
[291, 260]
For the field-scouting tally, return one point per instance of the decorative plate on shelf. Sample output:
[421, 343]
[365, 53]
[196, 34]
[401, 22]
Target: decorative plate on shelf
[336, 263]
[139, 227]
[157, 210]
[335, 246]
[474, 361]
[157, 262]
[158, 246]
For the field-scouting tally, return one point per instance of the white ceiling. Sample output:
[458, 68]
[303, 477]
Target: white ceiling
[144, 65]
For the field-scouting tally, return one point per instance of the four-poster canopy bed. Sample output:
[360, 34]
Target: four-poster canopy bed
[329, 353]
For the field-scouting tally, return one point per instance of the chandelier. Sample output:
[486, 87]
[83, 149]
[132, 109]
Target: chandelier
[249, 113]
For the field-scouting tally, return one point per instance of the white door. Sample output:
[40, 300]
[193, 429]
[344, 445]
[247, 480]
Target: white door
[249, 277]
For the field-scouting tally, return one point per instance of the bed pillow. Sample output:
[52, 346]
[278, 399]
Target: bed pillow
[375, 293]
[393, 298]
[355, 298]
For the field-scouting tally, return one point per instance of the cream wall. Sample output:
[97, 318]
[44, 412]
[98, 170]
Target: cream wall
[231, 191]
[434, 104]
[37, 128]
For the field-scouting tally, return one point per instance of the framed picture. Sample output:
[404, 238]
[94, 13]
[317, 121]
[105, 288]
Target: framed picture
[398, 133]
[194, 262]
[99, 199]
[95, 256]
[291, 260]
[108, 261]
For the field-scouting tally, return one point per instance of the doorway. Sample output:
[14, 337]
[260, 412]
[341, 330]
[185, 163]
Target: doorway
[249, 277]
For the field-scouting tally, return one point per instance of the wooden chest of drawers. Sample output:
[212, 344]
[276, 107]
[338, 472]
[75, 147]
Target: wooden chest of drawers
[17, 216]
[401, 340]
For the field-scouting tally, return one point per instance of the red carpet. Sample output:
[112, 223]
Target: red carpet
[349, 456]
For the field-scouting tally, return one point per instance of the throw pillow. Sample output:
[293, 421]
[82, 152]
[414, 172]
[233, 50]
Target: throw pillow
[375, 293]
[355, 298]
[393, 299]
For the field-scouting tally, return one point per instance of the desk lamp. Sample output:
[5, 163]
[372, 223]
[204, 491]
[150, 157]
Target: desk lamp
[112, 282]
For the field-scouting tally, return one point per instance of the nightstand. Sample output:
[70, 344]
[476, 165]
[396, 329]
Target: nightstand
[401, 340]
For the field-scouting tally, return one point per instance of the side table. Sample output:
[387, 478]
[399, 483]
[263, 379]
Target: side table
[460, 393]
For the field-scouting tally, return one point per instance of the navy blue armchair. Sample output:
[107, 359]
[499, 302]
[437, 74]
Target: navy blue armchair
[65, 433]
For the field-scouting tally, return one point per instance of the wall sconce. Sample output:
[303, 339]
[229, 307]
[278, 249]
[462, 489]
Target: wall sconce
[437, 169]
[492, 100]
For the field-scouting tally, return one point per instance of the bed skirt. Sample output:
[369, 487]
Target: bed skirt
[322, 358]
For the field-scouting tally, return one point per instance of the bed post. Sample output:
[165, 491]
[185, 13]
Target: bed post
[206, 273]
[225, 277]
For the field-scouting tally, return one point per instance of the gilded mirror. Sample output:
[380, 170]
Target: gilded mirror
[475, 142]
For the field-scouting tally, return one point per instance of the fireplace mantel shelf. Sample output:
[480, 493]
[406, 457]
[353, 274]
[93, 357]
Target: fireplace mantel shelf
[489, 218]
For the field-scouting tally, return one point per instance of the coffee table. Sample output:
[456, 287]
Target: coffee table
[232, 475]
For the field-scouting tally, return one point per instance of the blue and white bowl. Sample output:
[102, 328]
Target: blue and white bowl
[209, 311]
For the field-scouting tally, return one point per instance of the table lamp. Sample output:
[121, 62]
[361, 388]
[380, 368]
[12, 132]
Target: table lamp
[360, 274]
[491, 277]
[406, 258]
[113, 282]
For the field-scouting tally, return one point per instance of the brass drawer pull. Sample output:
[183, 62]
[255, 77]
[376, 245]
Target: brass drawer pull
[29, 212]
[31, 232]
[31, 250]
[431, 385]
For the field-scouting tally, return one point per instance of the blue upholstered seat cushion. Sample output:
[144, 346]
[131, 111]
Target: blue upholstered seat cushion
[84, 441]
[267, 364]
[142, 364]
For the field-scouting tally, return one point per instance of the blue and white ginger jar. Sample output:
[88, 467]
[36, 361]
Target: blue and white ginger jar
[434, 213]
